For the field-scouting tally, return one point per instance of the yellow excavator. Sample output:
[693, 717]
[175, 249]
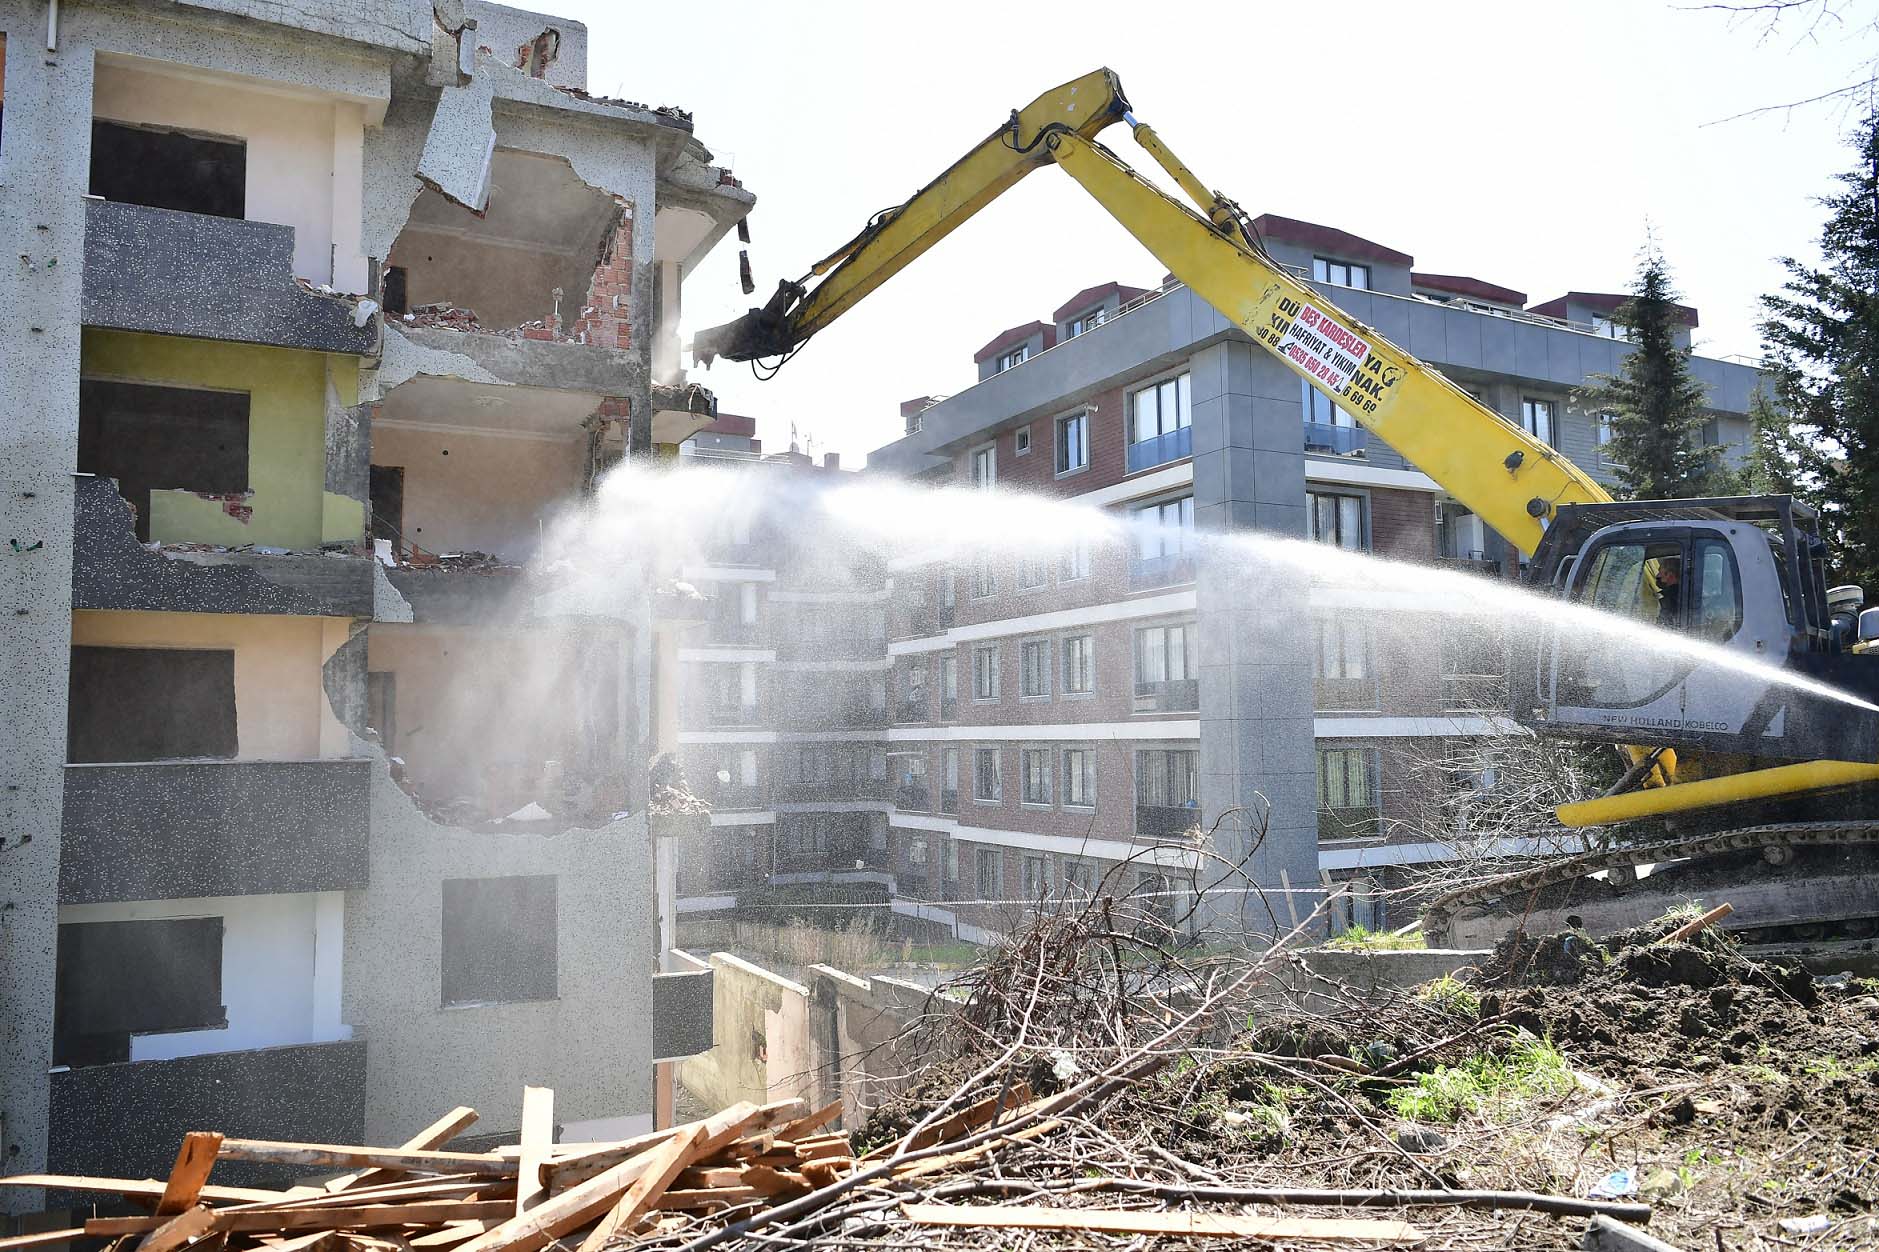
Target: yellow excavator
[1743, 573]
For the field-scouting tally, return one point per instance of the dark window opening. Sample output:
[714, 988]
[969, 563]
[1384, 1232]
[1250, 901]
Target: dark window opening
[394, 292]
[387, 489]
[499, 940]
[150, 704]
[118, 979]
[169, 169]
[153, 438]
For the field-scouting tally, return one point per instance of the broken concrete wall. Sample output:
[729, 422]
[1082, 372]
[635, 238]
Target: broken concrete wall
[592, 1043]
[516, 38]
[761, 1047]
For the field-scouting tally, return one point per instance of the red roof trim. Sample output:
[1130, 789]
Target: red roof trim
[1329, 239]
[1461, 285]
[1604, 303]
[1086, 299]
[1016, 335]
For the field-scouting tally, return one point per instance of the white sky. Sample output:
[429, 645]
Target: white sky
[1524, 144]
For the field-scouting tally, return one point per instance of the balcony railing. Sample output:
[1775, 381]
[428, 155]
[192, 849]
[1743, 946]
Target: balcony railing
[1161, 449]
[1337, 440]
[733, 714]
[1360, 822]
[949, 800]
[1345, 693]
[735, 798]
[911, 711]
[911, 796]
[1157, 821]
[1161, 571]
[1181, 695]
[731, 630]
[810, 791]
[1474, 693]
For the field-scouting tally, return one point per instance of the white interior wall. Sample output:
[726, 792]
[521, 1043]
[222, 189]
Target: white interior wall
[305, 155]
[280, 969]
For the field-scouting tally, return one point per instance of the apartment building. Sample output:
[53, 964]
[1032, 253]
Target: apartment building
[783, 703]
[323, 813]
[1053, 714]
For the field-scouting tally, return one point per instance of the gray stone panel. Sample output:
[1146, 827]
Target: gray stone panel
[170, 273]
[456, 596]
[175, 830]
[111, 570]
[126, 1120]
[681, 1013]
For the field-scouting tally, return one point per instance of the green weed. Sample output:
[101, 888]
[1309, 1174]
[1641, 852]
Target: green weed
[1363, 939]
[1485, 1083]
[1451, 995]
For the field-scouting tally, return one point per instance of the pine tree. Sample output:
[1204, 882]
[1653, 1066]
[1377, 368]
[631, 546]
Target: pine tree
[1821, 344]
[1653, 403]
[1769, 467]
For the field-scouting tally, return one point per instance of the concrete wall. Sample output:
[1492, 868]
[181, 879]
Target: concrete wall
[762, 1044]
[281, 710]
[303, 153]
[592, 1043]
[280, 969]
[466, 491]
[287, 399]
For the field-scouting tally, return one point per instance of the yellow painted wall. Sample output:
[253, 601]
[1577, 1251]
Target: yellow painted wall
[287, 393]
[281, 710]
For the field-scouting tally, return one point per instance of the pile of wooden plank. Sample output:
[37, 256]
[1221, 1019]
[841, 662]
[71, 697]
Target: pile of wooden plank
[418, 1195]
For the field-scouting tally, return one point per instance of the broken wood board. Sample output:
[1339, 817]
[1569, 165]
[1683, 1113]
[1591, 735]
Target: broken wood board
[538, 1136]
[1151, 1222]
[194, 1160]
[661, 1168]
[353, 1156]
[139, 1188]
[360, 1217]
[435, 1135]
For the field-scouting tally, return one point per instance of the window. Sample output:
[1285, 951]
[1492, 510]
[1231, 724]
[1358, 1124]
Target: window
[1033, 570]
[1322, 409]
[952, 860]
[1341, 662]
[153, 438]
[991, 873]
[985, 673]
[1340, 273]
[1076, 561]
[1034, 775]
[1017, 356]
[1537, 417]
[984, 466]
[499, 940]
[1167, 791]
[1036, 878]
[1021, 440]
[1336, 519]
[985, 783]
[1166, 678]
[949, 788]
[1077, 876]
[984, 577]
[948, 684]
[1086, 323]
[916, 851]
[1328, 426]
[114, 980]
[1606, 328]
[169, 169]
[1073, 442]
[1166, 529]
[1161, 418]
[1347, 802]
[1648, 583]
[1079, 778]
[1034, 668]
[150, 704]
[1079, 665]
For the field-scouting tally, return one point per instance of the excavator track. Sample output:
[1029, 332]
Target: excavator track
[1441, 912]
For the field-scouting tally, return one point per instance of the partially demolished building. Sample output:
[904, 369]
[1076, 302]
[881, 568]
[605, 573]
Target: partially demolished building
[323, 314]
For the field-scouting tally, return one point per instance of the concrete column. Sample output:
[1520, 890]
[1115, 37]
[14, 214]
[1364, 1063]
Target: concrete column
[45, 157]
[1258, 767]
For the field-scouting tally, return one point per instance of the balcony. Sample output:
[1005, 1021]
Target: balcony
[1181, 695]
[1475, 693]
[1345, 694]
[166, 272]
[1169, 570]
[1324, 437]
[1157, 821]
[312, 1092]
[111, 570]
[910, 710]
[817, 790]
[733, 714]
[912, 797]
[736, 798]
[170, 830]
[1161, 449]
[1360, 822]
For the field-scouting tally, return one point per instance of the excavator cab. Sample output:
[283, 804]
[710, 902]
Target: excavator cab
[1711, 627]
